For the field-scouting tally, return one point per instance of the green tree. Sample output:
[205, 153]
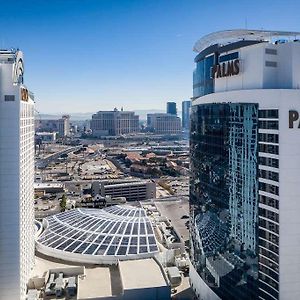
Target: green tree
[63, 202]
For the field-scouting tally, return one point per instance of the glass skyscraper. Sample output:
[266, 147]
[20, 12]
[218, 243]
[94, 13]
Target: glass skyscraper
[244, 183]
[171, 108]
[224, 204]
[186, 106]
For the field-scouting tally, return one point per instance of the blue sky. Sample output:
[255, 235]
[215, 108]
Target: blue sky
[87, 55]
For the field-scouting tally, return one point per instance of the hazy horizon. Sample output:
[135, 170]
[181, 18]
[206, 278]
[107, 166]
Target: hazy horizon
[102, 54]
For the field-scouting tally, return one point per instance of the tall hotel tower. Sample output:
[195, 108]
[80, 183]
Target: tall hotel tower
[245, 166]
[16, 178]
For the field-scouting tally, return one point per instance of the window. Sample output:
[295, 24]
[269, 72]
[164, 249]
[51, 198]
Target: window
[272, 291]
[269, 215]
[272, 149]
[270, 162]
[269, 201]
[268, 124]
[269, 225]
[269, 138]
[271, 64]
[228, 57]
[9, 97]
[272, 265]
[269, 272]
[271, 51]
[269, 188]
[269, 254]
[269, 175]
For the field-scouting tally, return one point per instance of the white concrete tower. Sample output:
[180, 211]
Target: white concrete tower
[16, 178]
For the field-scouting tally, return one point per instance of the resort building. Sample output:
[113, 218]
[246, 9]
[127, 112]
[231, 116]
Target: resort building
[245, 160]
[16, 177]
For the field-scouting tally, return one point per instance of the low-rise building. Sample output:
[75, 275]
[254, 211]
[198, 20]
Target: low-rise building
[49, 188]
[125, 281]
[46, 137]
[132, 191]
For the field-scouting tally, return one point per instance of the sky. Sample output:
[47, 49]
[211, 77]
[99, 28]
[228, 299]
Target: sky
[89, 55]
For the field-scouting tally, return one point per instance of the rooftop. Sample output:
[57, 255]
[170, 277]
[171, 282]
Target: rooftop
[230, 36]
[146, 274]
[103, 282]
[42, 185]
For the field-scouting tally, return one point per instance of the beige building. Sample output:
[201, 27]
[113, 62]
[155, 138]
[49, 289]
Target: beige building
[61, 126]
[106, 123]
[164, 123]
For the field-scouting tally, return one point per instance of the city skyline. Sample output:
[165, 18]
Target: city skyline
[131, 53]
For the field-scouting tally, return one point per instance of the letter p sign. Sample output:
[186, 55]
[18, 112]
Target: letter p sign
[293, 116]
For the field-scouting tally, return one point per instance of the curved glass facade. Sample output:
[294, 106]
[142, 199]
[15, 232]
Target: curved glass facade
[224, 197]
[203, 84]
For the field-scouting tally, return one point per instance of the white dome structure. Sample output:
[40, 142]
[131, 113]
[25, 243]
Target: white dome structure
[98, 236]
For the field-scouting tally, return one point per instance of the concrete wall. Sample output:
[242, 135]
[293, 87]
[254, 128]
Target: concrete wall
[155, 293]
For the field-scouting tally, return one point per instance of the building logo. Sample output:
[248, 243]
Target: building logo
[18, 73]
[24, 94]
[226, 69]
[293, 117]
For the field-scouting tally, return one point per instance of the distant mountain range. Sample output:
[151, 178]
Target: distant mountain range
[88, 115]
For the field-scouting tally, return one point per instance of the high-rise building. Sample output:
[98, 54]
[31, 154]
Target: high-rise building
[186, 106]
[171, 108]
[245, 161]
[16, 178]
[114, 123]
[61, 126]
[164, 123]
[64, 126]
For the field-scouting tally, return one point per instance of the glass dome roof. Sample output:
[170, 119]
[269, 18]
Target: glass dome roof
[117, 231]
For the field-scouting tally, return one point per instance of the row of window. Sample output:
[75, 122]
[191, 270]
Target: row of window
[271, 63]
[9, 97]
[269, 272]
[271, 51]
[269, 246]
[269, 162]
[268, 125]
[264, 296]
[269, 138]
[227, 57]
[269, 215]
[269, 201]
[269, 175]
[269, 263]
[272, 291]
[269, 225]
[269, 258]
[271, 149]
[269, 188]
[269, 254]
[269, 236]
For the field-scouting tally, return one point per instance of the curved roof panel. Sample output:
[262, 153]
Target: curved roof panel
[117, 231]
[230, 36]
